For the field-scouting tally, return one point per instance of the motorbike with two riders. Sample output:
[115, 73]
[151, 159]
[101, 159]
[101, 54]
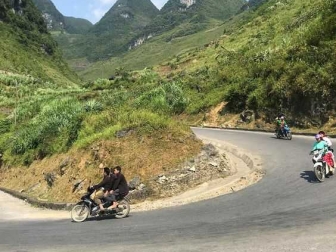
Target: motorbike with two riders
[88, 208]
[282, 130]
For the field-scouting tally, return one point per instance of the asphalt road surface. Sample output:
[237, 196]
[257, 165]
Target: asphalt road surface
[286, 211]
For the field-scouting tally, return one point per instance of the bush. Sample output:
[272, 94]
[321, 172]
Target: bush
[93, 106]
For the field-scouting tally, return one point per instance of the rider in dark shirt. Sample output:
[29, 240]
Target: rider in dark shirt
[100, 189]
[119, 187]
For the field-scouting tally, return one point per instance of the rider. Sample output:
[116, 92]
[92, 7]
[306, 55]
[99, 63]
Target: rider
[320, 144]
[100, 189]
[329, 157]
[119, 187]
[327, 140]
[281, 123]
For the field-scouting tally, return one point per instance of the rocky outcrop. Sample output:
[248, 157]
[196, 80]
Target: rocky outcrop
[188, 3]
[208, 165]
[51, 23]
[139, 41]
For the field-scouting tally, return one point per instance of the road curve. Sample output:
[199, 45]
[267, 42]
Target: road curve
[285, 211]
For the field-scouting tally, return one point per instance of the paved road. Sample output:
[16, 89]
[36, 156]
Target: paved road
[286, 211]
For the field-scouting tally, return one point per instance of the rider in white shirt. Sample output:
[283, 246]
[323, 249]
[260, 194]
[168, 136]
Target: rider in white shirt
[329, 144]
[326, 139]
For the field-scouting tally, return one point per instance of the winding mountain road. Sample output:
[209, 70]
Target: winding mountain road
[286, 211]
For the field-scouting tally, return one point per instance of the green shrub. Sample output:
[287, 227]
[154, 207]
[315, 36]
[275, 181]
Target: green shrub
[5, 125]
[93, 106]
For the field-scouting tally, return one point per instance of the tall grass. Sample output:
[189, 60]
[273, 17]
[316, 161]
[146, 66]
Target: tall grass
[59, 119]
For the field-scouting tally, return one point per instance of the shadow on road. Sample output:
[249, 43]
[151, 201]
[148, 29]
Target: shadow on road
[309, 176]
[104, 217]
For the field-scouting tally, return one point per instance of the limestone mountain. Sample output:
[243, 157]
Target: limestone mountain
[113, 33]
[53, 18]
[126, 16]
[57, 22]
[195, 13]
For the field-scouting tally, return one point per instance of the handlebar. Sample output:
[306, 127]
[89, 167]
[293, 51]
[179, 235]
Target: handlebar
[313, 151]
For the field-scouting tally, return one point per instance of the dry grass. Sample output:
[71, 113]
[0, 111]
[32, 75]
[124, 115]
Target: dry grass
[146, 157]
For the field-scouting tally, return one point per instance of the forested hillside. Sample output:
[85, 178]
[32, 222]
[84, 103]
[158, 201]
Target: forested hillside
[279, 57]
[27, 47]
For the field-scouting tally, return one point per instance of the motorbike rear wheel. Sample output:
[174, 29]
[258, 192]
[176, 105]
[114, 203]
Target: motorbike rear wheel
[320, 173]
[80, 212]
[123, 209]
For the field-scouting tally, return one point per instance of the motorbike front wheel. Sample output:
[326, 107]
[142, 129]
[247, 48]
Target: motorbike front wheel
[123, 209]
[289, 136]
[320, 173]
[80, 212]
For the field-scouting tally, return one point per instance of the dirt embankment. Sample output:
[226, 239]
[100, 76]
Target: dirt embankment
[241, 170]
[65, 177]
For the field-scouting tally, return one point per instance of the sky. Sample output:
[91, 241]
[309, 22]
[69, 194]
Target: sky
[92, 10]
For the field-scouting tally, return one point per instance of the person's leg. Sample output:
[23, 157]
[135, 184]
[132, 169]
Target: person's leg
[109, 200]
[99, 195]
[115, 202]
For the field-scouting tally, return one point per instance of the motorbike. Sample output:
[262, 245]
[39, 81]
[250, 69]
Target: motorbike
[88, 208]
[284, 133]
[321, 168]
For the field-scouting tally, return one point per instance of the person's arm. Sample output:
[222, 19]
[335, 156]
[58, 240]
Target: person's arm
[102, 183]
[328, 141]
[314, 146]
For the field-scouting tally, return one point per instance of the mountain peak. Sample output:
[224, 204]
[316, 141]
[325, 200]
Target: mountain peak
[57, 22]
[135, 13]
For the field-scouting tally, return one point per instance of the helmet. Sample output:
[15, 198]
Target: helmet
[318, 136]
[282, 117]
